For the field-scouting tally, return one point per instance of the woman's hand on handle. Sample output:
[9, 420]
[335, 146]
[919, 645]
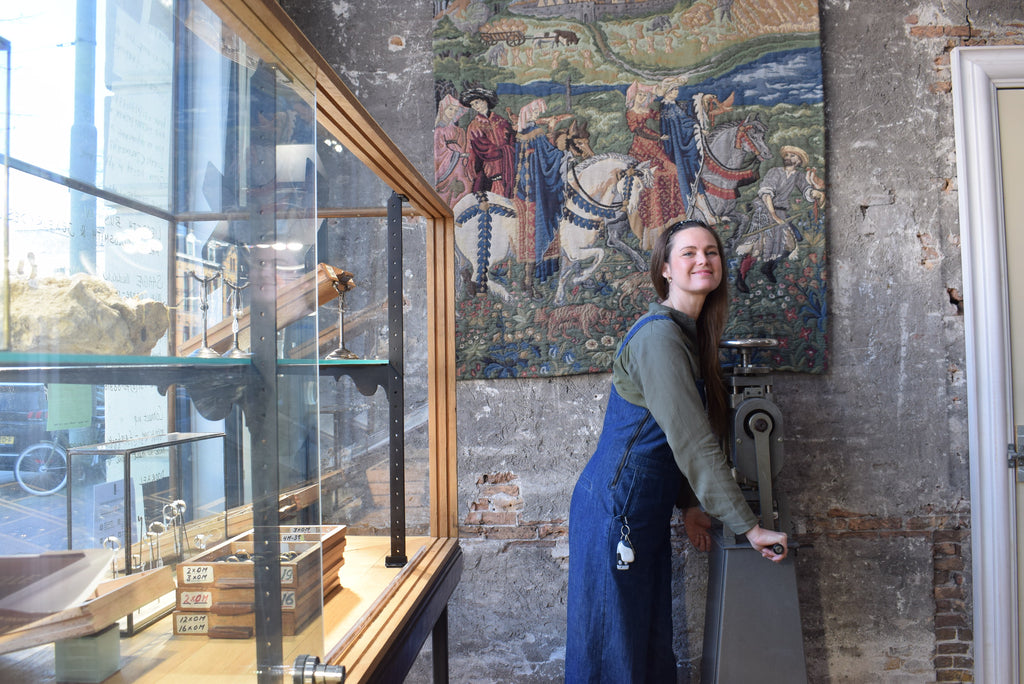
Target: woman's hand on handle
[772, 545]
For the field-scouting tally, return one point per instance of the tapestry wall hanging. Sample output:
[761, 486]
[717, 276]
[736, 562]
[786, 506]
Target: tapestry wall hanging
[569, 134]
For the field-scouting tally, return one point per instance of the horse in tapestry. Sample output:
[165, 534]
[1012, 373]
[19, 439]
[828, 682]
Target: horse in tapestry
[731, 157]
[600, 193]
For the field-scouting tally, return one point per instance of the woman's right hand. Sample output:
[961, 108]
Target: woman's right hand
[698, 528]
[763, 540]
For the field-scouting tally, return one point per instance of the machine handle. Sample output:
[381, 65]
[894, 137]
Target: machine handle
[750, 343]
[746, 346]
[778, 549]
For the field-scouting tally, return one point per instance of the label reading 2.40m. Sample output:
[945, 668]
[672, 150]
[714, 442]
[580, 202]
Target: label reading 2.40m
[196, 599]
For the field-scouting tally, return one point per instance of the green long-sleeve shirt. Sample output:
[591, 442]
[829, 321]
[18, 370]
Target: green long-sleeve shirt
[657, 370]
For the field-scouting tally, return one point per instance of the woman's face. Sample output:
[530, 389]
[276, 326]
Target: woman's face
[642, 100]
[694, 266]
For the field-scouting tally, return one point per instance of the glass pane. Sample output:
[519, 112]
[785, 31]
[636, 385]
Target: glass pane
[118, 306]
[5, 139]
[356, 432]
[161, 387]
[104, 117]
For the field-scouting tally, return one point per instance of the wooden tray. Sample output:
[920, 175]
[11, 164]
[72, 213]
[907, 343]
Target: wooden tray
[216, 597]
[237, 619]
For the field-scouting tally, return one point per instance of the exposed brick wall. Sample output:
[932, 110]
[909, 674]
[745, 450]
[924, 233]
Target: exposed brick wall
[949, 36]
[949, 535]
[497, 513]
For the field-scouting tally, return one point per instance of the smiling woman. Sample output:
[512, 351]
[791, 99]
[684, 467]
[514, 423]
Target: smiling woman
[693, 267]
[658, 449]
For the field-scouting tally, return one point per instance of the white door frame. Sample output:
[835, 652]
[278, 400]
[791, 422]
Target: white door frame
[977, 74]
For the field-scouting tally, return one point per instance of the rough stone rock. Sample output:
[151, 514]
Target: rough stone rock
[82, 314]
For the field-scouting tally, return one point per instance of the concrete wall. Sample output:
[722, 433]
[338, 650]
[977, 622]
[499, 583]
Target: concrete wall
[876, 449]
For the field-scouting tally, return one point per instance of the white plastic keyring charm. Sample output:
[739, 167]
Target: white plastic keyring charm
[625, 553]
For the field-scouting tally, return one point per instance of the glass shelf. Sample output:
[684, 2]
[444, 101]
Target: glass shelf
[28, 359]
[159, 372]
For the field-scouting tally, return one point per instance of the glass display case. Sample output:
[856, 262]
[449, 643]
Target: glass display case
[227, 355]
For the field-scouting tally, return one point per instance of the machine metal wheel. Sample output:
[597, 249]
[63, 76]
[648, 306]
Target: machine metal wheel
[42, 468]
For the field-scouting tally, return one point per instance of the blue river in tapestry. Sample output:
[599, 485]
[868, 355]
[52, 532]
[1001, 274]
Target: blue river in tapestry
[790, 76]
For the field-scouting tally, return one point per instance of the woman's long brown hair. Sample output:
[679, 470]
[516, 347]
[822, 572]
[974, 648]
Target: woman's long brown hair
[710, 323]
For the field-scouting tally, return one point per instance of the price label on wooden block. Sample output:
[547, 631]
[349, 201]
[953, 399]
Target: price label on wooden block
[191, 623]
[287, 574]
[197, 574]
[195, 599]
[288, 599]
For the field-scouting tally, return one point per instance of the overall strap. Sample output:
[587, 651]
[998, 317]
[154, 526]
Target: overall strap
[636, 326]
[699, 382]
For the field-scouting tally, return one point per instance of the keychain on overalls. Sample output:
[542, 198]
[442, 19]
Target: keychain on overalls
[624, 554]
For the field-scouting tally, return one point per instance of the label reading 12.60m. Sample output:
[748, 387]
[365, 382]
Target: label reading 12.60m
[195, 623]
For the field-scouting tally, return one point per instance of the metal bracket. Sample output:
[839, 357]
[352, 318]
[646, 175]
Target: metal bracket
[761, 426]
[1016, 454]
[309, 670]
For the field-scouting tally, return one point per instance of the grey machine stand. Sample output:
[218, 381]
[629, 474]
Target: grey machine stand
[752, 626]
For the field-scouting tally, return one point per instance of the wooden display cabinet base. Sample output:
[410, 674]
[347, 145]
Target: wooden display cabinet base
[375, 627]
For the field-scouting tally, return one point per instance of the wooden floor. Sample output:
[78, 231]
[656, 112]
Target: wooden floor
[372, 601]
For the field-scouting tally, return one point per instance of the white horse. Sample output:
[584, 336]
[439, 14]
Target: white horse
[484, 226]
[599, 193]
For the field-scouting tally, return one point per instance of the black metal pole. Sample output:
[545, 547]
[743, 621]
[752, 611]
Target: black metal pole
[396, 390]
[262, 394]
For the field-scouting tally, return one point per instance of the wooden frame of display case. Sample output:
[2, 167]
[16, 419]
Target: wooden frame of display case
[383, 643]
[410, 602]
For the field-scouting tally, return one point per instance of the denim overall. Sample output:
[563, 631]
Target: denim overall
[620, 620]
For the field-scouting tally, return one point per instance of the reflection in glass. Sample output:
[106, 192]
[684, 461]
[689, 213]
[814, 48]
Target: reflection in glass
[342, 282]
